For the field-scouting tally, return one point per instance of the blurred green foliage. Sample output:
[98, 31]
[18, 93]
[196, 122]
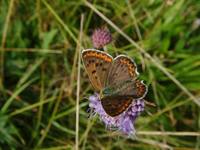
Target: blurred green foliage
[38, 60]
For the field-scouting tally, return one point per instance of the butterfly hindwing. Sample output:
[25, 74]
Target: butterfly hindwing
[97, 64]
[140, 88]
[115, 105]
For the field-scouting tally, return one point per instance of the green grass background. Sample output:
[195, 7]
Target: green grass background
[40, 43]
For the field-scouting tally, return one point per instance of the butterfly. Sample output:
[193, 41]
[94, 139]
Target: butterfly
[115, 80]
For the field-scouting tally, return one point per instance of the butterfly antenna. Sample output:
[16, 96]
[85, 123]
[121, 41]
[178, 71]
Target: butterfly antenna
[149, 113]
[149, 103]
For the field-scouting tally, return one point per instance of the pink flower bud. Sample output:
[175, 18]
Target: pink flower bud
[101, 37]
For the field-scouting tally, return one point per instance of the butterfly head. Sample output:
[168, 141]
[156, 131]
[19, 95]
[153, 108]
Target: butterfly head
[107, 91]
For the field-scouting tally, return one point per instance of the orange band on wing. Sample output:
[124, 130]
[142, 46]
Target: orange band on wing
[131, 66]
[98, 55]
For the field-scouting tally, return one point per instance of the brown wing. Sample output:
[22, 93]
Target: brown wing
[140, 88]
[115, 105]
[134, 88]
[97, 64]
[123, 68]
[122, 79]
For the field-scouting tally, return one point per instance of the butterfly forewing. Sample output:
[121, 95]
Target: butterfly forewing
[123, 69]
[115, 105]
[122, 79]
[97, 64]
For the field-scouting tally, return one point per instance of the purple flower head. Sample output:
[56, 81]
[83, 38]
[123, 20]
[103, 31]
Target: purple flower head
[101, 37]
[123, 122]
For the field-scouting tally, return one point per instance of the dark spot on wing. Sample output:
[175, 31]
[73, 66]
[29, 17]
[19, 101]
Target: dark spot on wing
[100, 64]
[97, 64]
[104, 69]
[94, 71]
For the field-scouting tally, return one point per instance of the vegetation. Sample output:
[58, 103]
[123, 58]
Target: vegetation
[39, 65]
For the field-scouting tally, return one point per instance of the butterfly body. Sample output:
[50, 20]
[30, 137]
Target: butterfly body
[115, 80]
